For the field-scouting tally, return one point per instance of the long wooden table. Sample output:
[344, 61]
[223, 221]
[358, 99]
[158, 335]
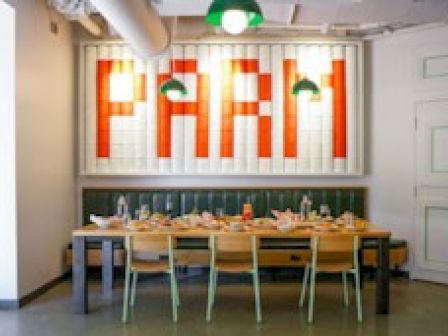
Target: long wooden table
[81, 235]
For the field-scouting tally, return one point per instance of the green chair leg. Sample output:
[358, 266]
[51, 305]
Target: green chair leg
[256, 281]
[312, 294]
[127, 280]
[177, 291]
[215, 284]
[345, 288]
[358, 296]
[211, 280]
[173, 295]
[134, 287]
[306, 275]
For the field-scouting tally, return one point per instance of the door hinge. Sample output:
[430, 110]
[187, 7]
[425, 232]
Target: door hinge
[415, 123]
[415, 191]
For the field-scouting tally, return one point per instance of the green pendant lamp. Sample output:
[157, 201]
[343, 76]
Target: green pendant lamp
[234, 15]
[174, 89]
[305, 85]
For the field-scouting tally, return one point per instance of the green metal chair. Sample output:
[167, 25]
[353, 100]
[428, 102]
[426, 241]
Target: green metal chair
[332, 253]
[137, 248]
[222, 246]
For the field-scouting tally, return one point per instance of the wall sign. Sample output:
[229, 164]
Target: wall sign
[238, 117]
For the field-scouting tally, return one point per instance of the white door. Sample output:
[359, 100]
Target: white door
[432, 190]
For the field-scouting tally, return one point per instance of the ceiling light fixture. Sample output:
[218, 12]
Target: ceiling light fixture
[305, 86]
[174, 89]
[234, 16]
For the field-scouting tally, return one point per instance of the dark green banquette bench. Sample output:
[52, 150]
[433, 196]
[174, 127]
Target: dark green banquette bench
[184, 200]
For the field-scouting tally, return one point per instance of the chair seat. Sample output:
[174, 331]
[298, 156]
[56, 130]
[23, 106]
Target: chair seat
[234, 266]
[334, 267]
[149, 266]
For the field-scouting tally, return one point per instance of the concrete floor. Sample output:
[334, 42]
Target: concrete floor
[417, 308]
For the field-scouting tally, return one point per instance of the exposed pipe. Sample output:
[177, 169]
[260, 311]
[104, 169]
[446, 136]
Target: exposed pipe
[91, 26]
[319, 27]
[138, 23]
[72, 9]
[78, 10]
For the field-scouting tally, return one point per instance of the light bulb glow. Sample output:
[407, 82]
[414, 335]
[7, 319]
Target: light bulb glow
[305, 95]
[234, 21]
[121, 87]
[174, 95]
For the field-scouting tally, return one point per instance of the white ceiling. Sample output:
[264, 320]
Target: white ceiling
[394, 13]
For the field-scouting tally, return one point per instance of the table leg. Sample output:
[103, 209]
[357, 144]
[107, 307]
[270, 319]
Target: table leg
[79, 273]
[382, 277]
[108, 268]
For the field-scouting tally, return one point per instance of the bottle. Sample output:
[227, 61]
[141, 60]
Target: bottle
[247, 211]
[304, 207]
[308, 207]
[122, 207]
[169, 208]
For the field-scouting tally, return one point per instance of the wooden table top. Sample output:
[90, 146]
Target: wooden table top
[92, 230]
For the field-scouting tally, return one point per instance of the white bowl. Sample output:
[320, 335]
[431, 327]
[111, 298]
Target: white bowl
[102, 222]
[285, 228]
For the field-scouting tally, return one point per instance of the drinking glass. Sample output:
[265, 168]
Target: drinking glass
[169, 206]
[324, 210]
[219, 213]
[349, 219]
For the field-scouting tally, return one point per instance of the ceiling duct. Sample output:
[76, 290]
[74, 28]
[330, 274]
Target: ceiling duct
[73, 9]
[138, 23]
[78, 10]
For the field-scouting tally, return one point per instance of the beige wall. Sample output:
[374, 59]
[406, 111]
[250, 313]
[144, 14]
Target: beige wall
[45, 142]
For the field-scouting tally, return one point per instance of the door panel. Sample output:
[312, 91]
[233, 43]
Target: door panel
[432, 190]
[432, 143]
[433, 235]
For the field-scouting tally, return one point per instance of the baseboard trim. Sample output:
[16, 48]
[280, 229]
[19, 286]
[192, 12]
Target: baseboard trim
[9, 304]
[17, 304]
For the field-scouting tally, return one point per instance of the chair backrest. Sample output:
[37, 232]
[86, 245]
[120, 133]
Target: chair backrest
[156, 243]
[334, 247]
[334, 242]
[234, 243]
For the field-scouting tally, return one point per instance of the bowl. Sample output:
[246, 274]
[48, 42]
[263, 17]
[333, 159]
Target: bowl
[102, 222]
[285, 227]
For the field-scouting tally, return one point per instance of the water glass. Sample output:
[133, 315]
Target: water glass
[219, 213]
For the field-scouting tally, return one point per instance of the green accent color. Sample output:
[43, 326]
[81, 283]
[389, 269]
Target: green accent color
[127, 280]
[173, 84]
[306, 275]
[134, 287]
[305, 85]
[218, 7]
[104, 201]
[212, 282]
[345, 288]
